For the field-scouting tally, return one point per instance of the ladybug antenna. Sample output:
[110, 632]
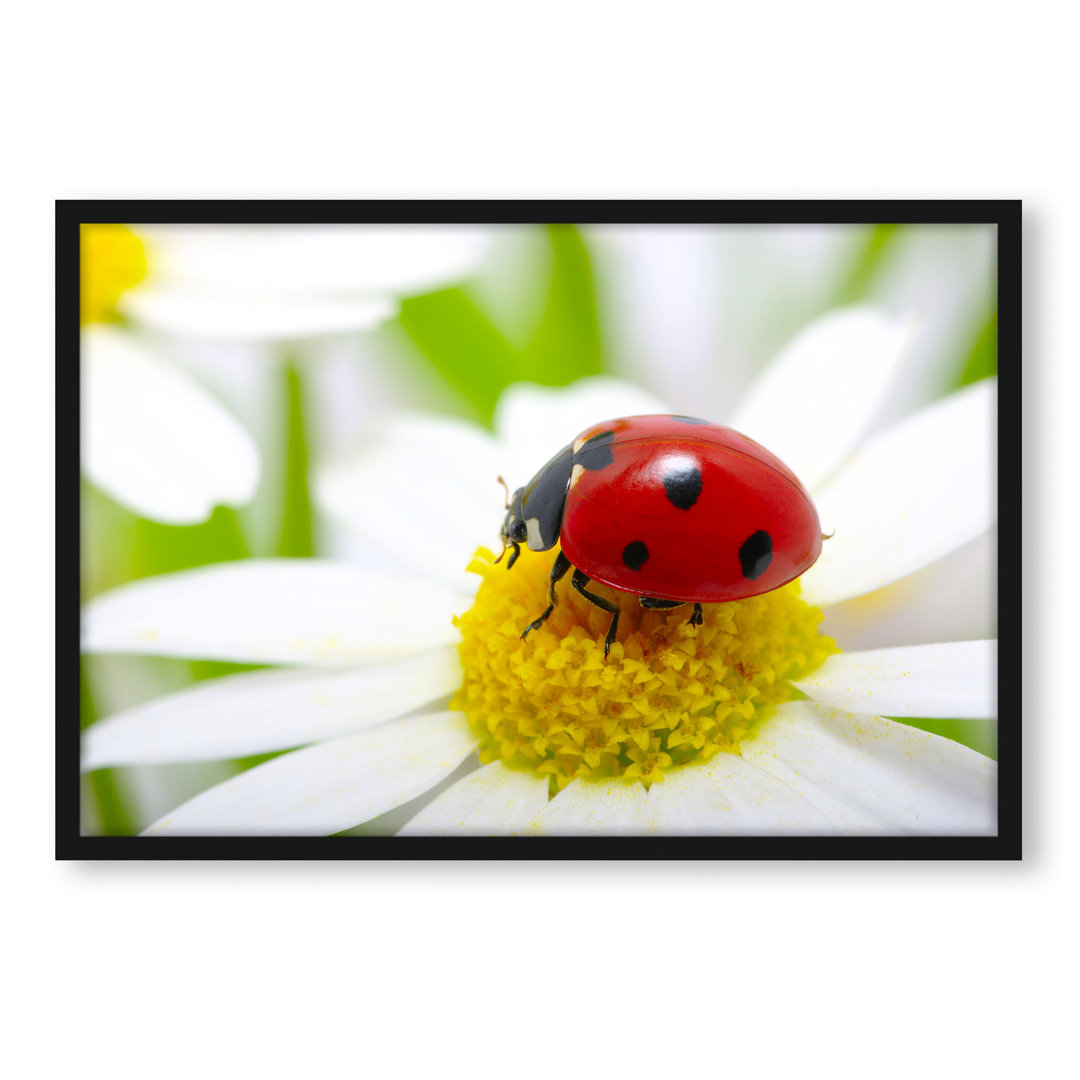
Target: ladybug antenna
[506, 488]
[828, 536]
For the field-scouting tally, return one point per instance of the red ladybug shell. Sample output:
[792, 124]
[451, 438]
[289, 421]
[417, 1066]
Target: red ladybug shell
[681, 509]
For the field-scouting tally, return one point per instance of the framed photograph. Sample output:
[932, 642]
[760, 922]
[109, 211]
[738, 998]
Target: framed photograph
[538, 530]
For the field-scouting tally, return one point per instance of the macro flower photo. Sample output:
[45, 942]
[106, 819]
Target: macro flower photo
[680, 531]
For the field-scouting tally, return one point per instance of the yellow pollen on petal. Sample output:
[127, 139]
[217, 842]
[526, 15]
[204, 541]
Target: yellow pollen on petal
[111, 259]
[669, 694]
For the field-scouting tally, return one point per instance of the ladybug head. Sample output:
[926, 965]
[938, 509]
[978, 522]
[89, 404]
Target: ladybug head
[513, 532]
[514, 529]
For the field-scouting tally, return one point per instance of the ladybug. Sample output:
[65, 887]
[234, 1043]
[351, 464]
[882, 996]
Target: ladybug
[671, 509]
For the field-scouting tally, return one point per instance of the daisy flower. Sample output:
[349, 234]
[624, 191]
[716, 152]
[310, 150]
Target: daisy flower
[222, 283]
[752, 723]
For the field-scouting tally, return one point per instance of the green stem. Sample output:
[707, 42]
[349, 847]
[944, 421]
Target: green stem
[296, 536]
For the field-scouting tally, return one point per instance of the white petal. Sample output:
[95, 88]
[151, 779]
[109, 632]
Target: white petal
[595, 808]
[251, 315]
[155, 440]
[953, 599]
[534, 422]
[260, 711]
[493, 801]
[820, 394]
[912, 494]
[869, 775]
[274, 611]
[315, 259]
[956, 680]
[661, 285]
[330, 786]
[153, 790]
[731, 796]
[422, 488]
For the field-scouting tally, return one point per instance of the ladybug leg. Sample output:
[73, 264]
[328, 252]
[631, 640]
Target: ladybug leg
[653, 604]
[579, 581]
[558, 571]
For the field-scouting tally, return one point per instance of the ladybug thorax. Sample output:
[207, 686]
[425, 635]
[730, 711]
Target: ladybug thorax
[536, 510]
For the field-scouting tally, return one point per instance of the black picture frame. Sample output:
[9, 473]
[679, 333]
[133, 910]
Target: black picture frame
[1005, 215]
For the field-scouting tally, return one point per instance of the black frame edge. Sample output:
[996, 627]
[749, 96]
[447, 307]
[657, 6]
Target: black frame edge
[1005, 214]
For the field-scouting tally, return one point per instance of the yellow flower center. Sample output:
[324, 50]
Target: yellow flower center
[112, 259]
[668, 695]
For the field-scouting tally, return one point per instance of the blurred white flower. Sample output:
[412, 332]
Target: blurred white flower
[280, 282]
[375, 660]
[154, 439]
[692, 310]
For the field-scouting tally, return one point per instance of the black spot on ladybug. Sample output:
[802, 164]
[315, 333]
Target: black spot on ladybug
[756, 554]
[691, 420]
[635, 555]
[682, 483]
[596, 452]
